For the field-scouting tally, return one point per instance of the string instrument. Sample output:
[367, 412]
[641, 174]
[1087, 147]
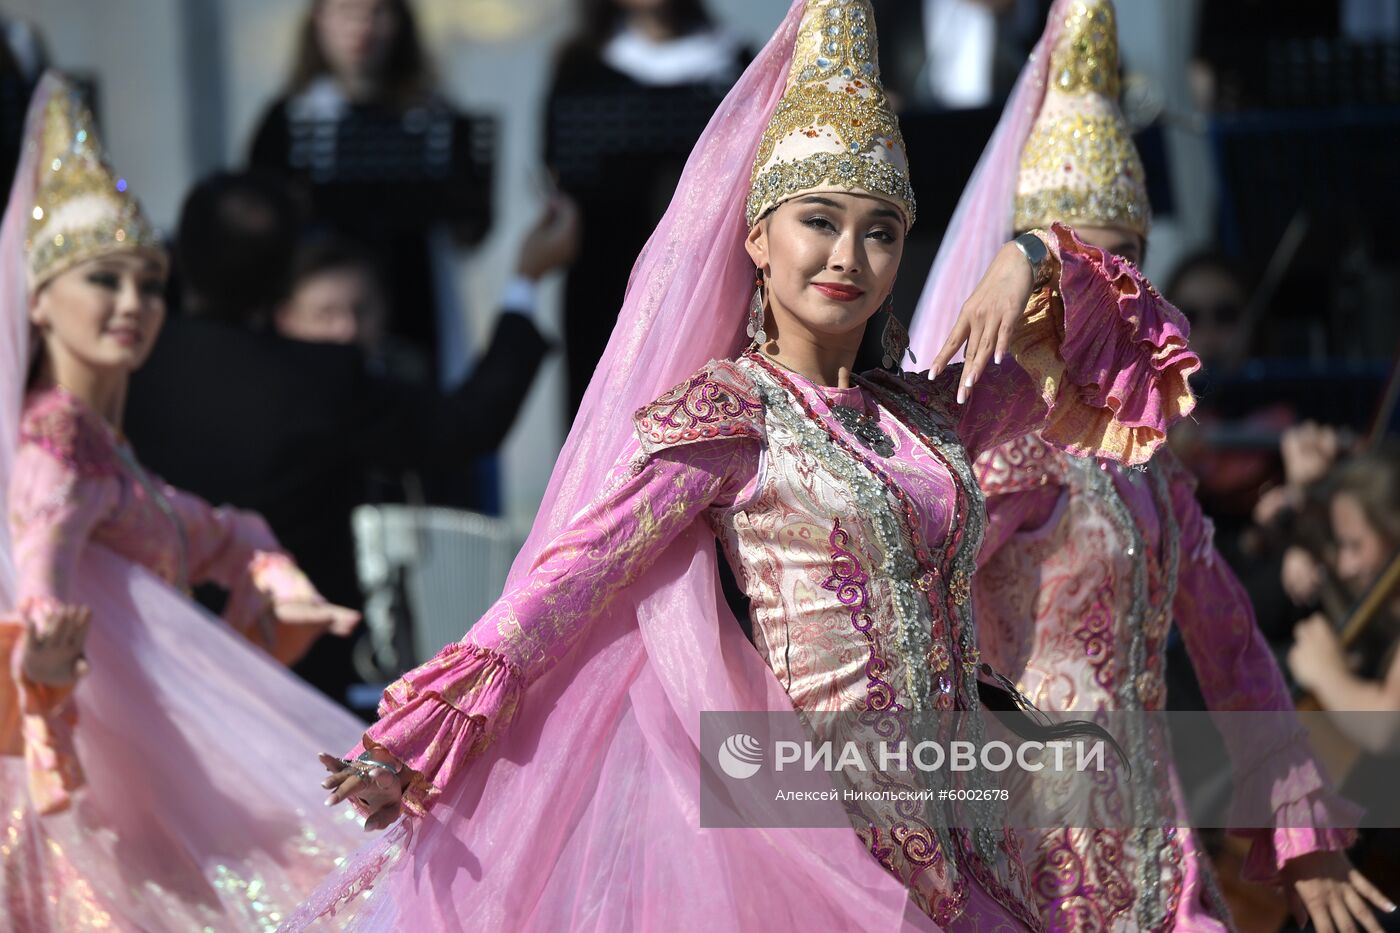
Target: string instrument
[1256, 908]
[1338, 753]
[1260, 909]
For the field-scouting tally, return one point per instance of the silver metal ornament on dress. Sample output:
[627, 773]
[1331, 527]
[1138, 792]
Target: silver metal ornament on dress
[1151, 841]
[865, 428]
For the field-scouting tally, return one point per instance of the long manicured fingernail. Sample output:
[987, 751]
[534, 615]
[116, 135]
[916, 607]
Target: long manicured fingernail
[996, 358]
[962, 394]
[330, 801]
[967, 382]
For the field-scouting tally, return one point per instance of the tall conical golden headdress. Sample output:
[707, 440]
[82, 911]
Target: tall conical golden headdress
[82, 209]
[834, 129]
[1079, 164]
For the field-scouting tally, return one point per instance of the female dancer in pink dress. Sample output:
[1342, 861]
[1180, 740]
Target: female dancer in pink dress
[126, 794]
[550, 762]
[1085, 564]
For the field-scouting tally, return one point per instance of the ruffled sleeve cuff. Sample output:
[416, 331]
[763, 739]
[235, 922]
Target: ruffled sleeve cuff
[1314, 824]
[275, 575]
[1108, 354]
[47, 720]
[272, 577]
[441, 715]
[1307, 817]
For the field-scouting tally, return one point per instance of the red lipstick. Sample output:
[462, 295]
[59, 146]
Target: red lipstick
[838, 292]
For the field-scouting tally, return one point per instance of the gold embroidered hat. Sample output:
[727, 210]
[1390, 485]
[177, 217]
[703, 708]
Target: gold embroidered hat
[1079, 164]
[82, 208]
[833, 129]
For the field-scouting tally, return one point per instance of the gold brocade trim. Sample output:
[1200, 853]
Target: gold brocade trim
[1109, 207]
[73, 167]
[1086, 59]
[61, 251]
[835, 98]
[1079, 164]
[787, 179]
[1096, 145]
[860, 124]
[837, 37]
[1097, 150]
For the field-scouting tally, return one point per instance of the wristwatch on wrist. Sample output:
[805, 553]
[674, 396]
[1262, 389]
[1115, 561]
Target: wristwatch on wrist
[1038, 255]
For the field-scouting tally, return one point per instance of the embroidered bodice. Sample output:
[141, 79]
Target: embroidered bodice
[852, 519]
[1085, 568]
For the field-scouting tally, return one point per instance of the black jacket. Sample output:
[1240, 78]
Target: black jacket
[292, 430]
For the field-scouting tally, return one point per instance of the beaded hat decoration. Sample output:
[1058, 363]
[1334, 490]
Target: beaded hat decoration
[82, 209]
[1079, 164]
[834, 129]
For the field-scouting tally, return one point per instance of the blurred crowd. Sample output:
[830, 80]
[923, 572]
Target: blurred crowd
[316, 355]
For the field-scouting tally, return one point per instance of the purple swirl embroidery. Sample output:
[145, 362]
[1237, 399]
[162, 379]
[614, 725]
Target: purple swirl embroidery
[848, 581]
[700, 408]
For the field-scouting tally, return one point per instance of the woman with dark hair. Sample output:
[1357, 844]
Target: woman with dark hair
[1358, 686]
[631, 94]
[1364, 513]
[371, 48]
[384, 160]
[554, 763]
[124, 798]
[663, 19]
[1087, 567]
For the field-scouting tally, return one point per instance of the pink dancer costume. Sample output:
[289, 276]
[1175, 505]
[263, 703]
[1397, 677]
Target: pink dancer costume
[169, 789]
[1086, 564]
[555, 750]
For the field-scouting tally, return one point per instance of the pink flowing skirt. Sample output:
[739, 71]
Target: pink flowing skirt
[202, 807]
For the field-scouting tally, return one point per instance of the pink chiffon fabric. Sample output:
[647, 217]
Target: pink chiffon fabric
[982, 222]
[585, 816]
[201, 807]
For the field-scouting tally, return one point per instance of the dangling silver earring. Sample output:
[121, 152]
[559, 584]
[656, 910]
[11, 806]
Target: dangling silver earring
[894, 339]
[756, 310]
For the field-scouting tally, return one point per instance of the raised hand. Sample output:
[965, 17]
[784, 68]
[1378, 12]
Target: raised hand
[553, 241]
[374, 786]
[990, 318]
[54, 657]
[337, 620]
[1326, 888]
[1316, 655]
[1308, 450]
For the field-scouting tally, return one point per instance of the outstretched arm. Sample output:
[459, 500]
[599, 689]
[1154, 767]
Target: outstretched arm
[438, 717]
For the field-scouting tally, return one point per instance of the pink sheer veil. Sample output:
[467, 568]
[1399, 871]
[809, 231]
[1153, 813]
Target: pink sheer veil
[586, 812]
[982, 223]
[179, 717]
[14, 323]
